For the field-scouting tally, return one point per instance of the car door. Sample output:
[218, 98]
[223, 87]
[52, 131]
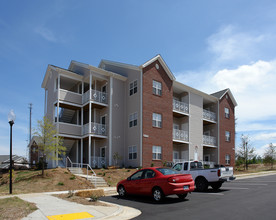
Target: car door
[133, 185]
[147, 182]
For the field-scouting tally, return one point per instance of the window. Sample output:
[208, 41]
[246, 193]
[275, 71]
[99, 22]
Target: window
[156, 88]
[133, 88]
[227, 159]
[226, 112]
[156, 120]
[132, 152]
[156, 153]
[137, 176]
[227, 136]
[133, 119]
[149, 174]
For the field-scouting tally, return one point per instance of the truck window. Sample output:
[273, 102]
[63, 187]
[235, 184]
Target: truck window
[196, 165]
[186, 166]
[178, 166]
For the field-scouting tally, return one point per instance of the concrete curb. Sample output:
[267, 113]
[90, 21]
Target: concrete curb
[253, 175]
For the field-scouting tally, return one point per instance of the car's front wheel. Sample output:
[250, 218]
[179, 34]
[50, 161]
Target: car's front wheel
[121, 191]
[157, 194]
[182, 196]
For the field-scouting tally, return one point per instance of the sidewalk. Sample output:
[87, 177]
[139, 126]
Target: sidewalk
[252, 175]
[49, 205]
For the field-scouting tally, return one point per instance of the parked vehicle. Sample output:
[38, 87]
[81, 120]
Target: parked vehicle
[203, 178]
[157, 182]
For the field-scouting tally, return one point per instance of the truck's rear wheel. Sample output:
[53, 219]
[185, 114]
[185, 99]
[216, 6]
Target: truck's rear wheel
[216, 185]
[201, 184]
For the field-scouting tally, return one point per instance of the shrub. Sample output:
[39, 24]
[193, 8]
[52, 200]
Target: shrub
[90, 193]
[60, 183]
[72, 177]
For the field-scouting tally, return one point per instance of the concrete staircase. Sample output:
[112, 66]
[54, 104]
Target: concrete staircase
[95, 180]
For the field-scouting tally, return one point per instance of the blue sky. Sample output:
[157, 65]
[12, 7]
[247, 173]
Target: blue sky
[209, 45]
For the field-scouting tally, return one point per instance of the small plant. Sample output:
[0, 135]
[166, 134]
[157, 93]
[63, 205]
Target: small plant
[152, 165]
[60, 183]
[127, 170]
[66, 172]
[72, 177]
[103, 174]
[94, 198]
[99, 173]
[70, 194]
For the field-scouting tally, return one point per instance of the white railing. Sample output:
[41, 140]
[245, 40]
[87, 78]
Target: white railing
[98, 162]
[96, 128]
[209, 115]
[180, 106]
[209, 140]
[180, 135]
[80, 165]
[96, 96]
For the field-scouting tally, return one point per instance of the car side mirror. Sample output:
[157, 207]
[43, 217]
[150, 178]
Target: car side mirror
[128, 178]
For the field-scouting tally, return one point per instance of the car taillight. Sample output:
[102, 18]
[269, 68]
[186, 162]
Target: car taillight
[172, 180]
[218, 172]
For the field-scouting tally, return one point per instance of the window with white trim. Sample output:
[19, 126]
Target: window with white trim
[156, 120]
[132, 152]
[156, 88]
[226, 112]
[133, 87]
[227, 136]
[133, 119]
[227, 159]
[156, 153]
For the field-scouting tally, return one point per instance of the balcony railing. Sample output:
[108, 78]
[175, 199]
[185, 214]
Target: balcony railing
[98, 162]
[180, 135]
[180, 106]
[96, 96]
[209, 140]
[96, 128]
[209, 115]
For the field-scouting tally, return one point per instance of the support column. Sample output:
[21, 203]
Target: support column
[57, 115]
[110, 121]
[81, 160]
[77, 152]
[89, 150]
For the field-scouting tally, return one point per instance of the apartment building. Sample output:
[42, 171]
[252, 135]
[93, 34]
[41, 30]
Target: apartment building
[139, 113]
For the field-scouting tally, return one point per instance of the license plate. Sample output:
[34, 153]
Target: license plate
[186, 187]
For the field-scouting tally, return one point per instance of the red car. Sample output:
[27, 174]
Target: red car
[157, 182]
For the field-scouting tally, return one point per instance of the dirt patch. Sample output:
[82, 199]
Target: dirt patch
[28, 181]
[15, 208]
[253, 168]
[81, 200]
[113, 176]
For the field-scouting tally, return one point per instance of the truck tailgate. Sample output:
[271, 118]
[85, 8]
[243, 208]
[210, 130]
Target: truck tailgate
[226, 172]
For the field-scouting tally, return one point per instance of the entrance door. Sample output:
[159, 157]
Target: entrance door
[207, 157]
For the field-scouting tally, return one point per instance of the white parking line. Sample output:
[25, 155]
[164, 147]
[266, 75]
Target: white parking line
[233, 188]
[205, 193]
[251, 184]
[255, 181]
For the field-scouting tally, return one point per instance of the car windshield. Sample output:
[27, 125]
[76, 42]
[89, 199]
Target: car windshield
[167, 171]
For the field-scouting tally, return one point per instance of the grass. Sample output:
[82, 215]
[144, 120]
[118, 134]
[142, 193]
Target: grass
[15, 208]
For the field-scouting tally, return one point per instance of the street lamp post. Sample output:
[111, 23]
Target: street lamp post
[11, 118]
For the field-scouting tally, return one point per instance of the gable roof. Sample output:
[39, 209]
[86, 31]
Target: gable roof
[162, 62]
[221, 93]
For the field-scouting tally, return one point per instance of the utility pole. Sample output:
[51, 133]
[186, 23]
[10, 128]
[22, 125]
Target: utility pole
[30, 131]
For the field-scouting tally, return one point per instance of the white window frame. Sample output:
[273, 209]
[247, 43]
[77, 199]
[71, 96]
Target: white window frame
[227, 137]
[133, 87]
[156, 152]
[156, 88]
[132, 152]
[226, 112]
[227, 159]
[133, 120]
[156, 120]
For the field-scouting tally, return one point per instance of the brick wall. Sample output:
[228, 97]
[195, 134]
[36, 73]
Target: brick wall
[227, 124]
[161, 105]
[34, 153]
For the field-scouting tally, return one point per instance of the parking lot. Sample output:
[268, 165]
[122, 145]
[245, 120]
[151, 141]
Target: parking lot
[251, 198]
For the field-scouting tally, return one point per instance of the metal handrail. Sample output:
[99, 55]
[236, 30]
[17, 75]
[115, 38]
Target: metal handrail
[79, 165]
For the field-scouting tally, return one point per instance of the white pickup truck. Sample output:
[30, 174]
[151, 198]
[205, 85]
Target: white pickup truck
[203, 178]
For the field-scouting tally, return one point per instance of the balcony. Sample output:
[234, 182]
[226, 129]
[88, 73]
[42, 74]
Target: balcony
[68, 96]
[180, 107]
[96, 128]
[209, 140]
[96, 96]
[98, 162]
[180, 135]
[208, 115]
[69, 129]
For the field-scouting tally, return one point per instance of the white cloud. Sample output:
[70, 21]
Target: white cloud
[261, 150]
[265, 136]
[46, 33]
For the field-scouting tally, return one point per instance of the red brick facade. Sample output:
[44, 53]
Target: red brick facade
[34, 153]
[153, 136]
[226, 124]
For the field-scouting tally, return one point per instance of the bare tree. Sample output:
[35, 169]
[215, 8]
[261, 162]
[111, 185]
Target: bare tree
[270, 155]
[245, 151]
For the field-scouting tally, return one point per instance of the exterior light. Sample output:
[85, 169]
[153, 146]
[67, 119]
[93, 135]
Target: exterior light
[11, 119]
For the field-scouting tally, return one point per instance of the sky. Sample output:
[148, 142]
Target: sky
[209, 45]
